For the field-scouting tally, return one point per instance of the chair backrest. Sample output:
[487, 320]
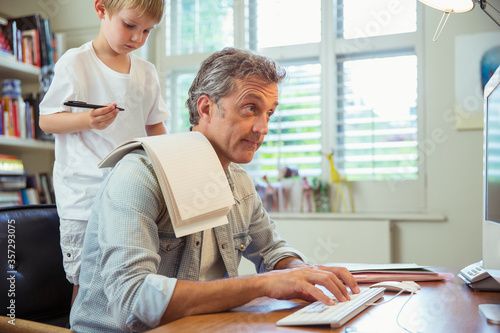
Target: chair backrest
[32, 280]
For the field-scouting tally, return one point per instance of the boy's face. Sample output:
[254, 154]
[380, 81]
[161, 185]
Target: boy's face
[125, 31]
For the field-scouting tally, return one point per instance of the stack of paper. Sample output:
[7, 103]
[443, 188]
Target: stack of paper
[192, 180]
[370, 273]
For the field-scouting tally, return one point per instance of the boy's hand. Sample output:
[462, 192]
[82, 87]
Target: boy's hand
[103, 117]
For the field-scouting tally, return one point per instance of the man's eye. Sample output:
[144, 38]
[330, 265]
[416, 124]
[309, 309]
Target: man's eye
[250, 108]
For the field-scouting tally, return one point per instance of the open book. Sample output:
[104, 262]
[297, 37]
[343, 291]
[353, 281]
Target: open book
[191, 178]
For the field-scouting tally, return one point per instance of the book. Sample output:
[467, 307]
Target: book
[10, 198]
[33, 181]
[12, 182]
[31, 32]
[192, 180]
[37, 132]
[30, 23]
[5, 116]
[27, 43]
[8, 120]
[47, 31]
[30, 196]
[22, 121]
[15, 118]
[11, 165]
[48, 192]
[33, 38]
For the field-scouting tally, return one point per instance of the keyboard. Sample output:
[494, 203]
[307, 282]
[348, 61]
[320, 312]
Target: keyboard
[337, 315]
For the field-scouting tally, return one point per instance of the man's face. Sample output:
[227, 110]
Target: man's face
[238, 129]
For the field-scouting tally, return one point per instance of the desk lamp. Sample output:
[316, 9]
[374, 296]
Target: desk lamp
[448, 7]
[462, 6]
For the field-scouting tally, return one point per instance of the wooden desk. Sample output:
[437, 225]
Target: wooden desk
[442, 307]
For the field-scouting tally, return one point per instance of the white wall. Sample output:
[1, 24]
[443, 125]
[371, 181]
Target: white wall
[454, 168]
[454, 165]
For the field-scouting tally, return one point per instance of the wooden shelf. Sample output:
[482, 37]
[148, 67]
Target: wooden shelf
[26, 143]
[13, 69]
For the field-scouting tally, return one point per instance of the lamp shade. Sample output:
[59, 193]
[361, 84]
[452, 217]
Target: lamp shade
[456, 6]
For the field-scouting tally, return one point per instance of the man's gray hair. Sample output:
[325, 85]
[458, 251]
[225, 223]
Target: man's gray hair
[219, 72]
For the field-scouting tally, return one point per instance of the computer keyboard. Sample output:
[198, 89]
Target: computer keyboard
[318, 313]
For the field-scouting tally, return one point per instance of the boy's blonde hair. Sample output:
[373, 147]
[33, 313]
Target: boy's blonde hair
[153, 9]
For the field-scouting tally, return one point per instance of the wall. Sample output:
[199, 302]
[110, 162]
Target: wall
[454, 167]
[454, 164]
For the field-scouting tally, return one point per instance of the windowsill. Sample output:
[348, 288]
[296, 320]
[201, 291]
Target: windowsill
[399, 217]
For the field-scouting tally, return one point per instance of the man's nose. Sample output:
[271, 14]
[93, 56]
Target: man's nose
[261, 125]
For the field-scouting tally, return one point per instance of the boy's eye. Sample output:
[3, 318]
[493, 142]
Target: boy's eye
[128, 25]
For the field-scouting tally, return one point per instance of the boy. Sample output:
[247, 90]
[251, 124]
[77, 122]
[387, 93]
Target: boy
[100, 72]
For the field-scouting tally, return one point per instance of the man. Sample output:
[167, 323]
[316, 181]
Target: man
[137, 275]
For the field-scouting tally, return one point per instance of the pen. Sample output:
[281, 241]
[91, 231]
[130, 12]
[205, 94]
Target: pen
[79, 104]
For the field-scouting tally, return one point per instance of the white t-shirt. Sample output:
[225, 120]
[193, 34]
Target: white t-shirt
[81, 76]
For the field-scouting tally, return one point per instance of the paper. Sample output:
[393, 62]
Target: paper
[371, 273]
[380, 276]
[192, 180]
[353, 267]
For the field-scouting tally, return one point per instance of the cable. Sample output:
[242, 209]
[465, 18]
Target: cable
[393, 297]
[400, 310]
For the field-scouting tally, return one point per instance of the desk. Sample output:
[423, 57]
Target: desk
[441, 307]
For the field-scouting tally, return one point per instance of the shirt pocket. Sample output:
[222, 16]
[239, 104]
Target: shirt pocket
[241, 241]
[171, 250]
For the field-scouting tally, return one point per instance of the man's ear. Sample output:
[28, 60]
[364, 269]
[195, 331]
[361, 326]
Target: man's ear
[205, 106]
[100, 9]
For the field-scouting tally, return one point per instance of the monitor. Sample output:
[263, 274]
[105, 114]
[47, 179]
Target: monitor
[491, 177]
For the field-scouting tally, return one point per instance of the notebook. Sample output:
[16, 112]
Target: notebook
[191, 178]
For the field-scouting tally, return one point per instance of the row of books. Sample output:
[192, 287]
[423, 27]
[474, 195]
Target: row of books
[19, 118]
[29, 39]
[19, 188]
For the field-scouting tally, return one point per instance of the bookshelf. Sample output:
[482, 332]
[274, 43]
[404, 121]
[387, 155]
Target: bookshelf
[37, 155]
[11, 68]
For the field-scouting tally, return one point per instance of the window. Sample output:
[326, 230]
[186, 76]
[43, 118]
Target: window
[370, 18]
[197, 26]
[178, 85]
[353, 85]
[377, 118]
[294, 138]
[279, 22]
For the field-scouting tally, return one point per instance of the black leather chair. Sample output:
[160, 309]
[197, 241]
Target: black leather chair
[33, 283]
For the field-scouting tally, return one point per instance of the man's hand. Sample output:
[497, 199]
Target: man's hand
[103, 117]
[299, 282]
[194, 297]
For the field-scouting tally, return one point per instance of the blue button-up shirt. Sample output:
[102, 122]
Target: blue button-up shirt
[132, 259]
